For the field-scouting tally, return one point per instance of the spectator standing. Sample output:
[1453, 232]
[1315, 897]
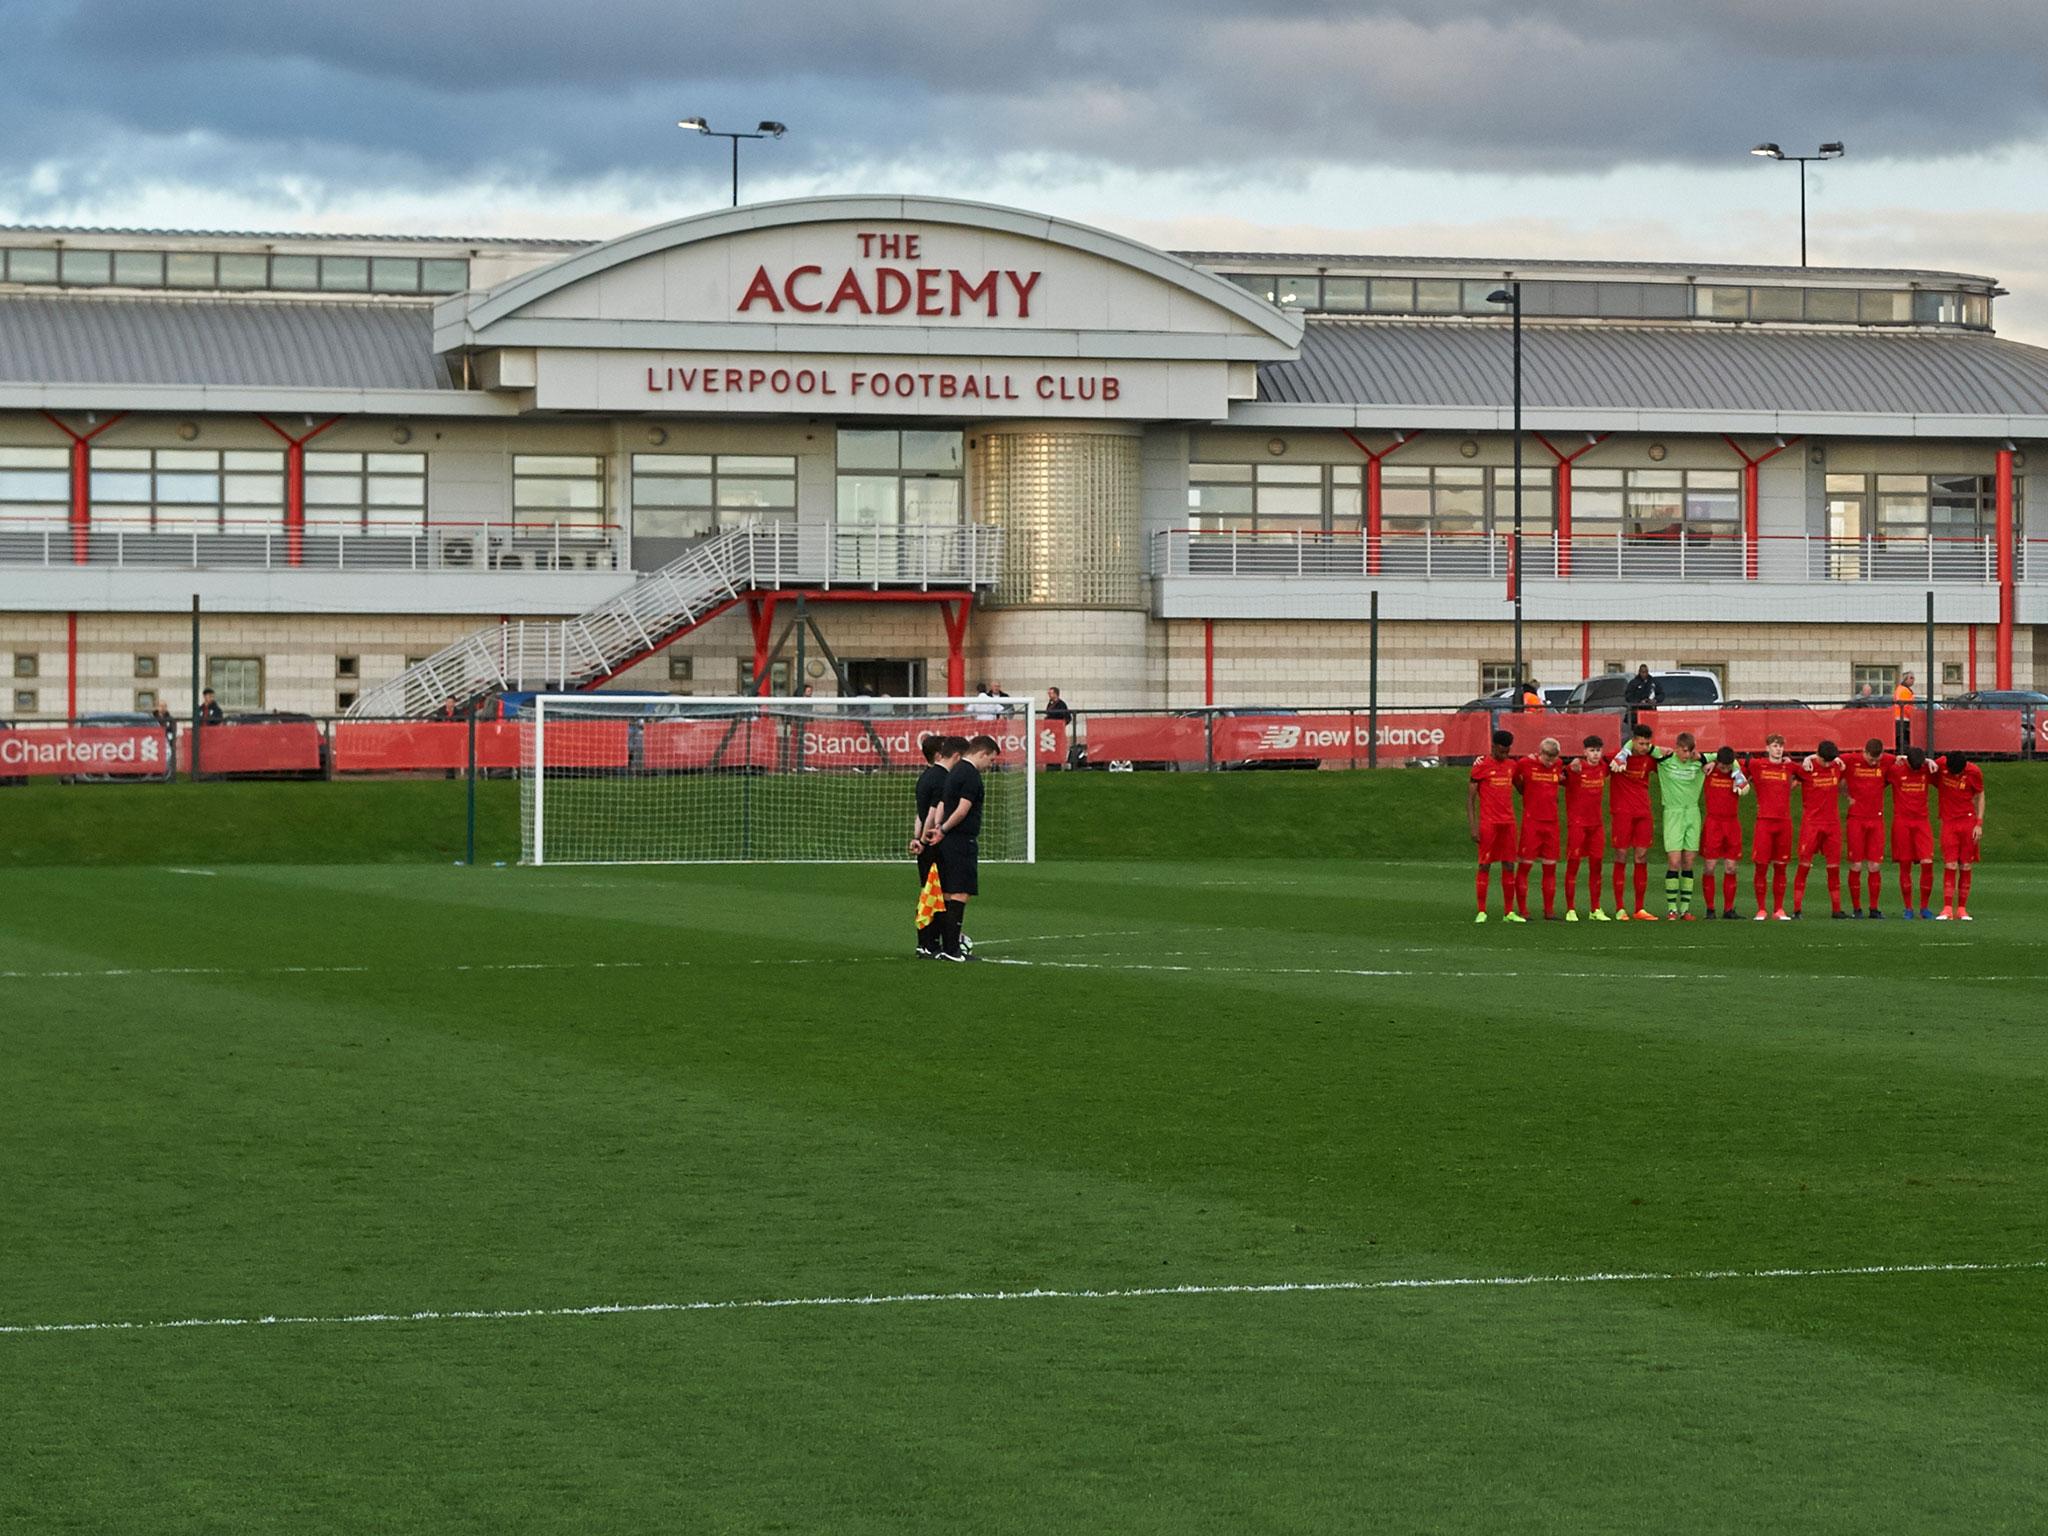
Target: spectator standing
[1902, 713]
[1056, 707]
[210, 712]
[1532, 698]
[1643, 692]
[987, 704]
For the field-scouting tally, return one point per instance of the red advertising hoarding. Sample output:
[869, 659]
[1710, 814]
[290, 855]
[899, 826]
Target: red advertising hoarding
[287, 746]
[101, 751]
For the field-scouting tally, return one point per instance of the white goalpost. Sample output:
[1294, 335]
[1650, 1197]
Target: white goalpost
[654, 779]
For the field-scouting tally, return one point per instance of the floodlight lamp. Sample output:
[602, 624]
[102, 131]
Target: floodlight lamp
[1832, 151]
[694, 124]
[1500, 296]
[773, 130]
[1769, 151]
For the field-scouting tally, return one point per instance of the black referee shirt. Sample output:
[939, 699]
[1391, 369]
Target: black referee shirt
[964, 783]
[931, 789]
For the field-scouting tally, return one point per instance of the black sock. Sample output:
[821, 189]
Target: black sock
[956, 915]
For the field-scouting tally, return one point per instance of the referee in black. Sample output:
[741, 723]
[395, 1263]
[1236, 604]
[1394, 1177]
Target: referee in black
[959, 856]
[940, 754]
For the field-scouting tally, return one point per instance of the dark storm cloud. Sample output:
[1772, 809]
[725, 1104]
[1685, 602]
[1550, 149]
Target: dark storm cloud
[387, 91]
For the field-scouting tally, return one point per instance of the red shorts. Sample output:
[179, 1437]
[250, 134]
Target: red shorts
[1912, 842]
[1539, 839]
[1773, 841]
[1824, 836]
[1497, 843]
[1959, 842]
[1632, 830]
[1587, 842]
[1866, 840]
[1721, 838]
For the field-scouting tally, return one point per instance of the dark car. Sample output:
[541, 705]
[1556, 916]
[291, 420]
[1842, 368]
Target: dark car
[1681, 690]
[1510, 699]
[2031, 703]
[125, 720]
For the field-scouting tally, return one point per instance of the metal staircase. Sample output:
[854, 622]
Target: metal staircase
[568, 654]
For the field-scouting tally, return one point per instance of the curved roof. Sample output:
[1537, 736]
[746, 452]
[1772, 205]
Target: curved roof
[217, 343]
[1605, 366]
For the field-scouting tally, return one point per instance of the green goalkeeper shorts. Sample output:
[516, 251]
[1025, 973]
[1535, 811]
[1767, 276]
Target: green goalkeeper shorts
[1682, 829]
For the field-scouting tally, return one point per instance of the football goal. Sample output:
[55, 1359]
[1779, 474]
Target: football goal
[634, 779]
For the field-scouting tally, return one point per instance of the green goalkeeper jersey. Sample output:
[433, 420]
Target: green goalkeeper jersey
[1681, 783]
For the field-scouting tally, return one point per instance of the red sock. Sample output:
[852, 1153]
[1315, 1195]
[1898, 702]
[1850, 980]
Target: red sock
[1963, 887]
[1763, 872]
[1707, 892]
[1620, 884]
[1550, 890]
[1905, 885]
[1778, 886]
[1594, 873]
[1485, 880]
[1799, 887]
[1876, 888]
[1835, 886]
[1728, 892]
[1522, 890]
[1926, 886]
[1856, 890]
[1571, 885]
[1642, 885]
[1948, 885]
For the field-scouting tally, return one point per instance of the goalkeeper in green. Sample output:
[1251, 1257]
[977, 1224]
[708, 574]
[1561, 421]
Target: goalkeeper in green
[1681, 782]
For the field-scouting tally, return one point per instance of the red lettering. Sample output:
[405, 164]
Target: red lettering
[910, 246]
[905, 383]
[756, 377]
[733, 378]
[1045, 386]
[849, 289]
[779, 381]
[710, 385]
[652, 387]
[858, 380]
[985, 290]
[971, 390]
[890, 247]
[887, 278]
[1023, 283]
[1009, 387]
[949, 386]
[1112, 388]
[762, 287]
[825, 382]
[928, 291]
[789, 290]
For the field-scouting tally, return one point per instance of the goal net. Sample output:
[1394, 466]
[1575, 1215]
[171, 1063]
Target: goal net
[627, 779]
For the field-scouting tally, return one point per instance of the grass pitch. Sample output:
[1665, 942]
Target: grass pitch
[283, 1090]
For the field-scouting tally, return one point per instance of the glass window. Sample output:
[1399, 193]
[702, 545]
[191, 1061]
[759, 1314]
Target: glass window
[1347, 496]
[295, 272]
[1436, 296]
[1777, 303]
[186, 489]
[1880, 677]
[1257, 284]
[1475, 300]
[236, 681]
[145, 666]
[88, 268]
[394, 274]
[189, 269]
[934, 452]
[1931, 308]
[1713, 502]
[1538, 497]
[35, 487]
[1496, 675]
[563, 489]
[1298, 292]
[443, 275]
[1597, 500]
[1404, 498]
[1571, 299]
[1886, 307]
[345, 274]
[139, 269]
[927, 490]
[1834, 305]
[244, 271]
[1977, 311]
[32, 266]
[1902, 506]
[1721, 303]
[863, 449]
[1393, 296]
[1344, 295]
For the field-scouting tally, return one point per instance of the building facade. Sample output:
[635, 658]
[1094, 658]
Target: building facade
[908, 444]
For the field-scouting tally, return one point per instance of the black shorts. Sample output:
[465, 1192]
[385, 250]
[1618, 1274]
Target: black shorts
[926, 858]
[959, 863]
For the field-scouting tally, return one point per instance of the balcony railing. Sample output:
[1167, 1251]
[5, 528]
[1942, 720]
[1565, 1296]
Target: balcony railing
[232, 544]
[1583, 557]
[835, 554]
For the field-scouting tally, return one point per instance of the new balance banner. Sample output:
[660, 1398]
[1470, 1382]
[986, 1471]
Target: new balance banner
[1342, 739]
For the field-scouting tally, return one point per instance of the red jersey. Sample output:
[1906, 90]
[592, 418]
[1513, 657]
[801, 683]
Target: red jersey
[1539, 782]
[1628, 784]
[1583, 785]
[1866, 787]
[1495, 777]
[1719, 795]
[1822, 792]
[1959, 792]
[1773, 784]
[1909, 790]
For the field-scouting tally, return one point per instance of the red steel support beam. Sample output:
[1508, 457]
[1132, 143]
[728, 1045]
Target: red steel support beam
[1208, 661]
[955, 616]
[1564, 494]
[1585, 649]
[295, 485]
[81, 483]
[1752, 497]
[71, 665]
[1972, 662]
[761, 621]
[1373, 497]
[2006, 574]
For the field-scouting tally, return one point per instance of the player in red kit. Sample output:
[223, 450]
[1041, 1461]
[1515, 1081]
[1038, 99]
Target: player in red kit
[1490, 811]
[1820, 822]
[1867, 777]
[1721, 833]
[1912, 779]
[1538, 780]
[1772, 777]
[1960, 784]
[1628, 800]
[1585, 827]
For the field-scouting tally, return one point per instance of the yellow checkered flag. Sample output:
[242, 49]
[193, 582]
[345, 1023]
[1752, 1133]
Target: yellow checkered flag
[931, 901]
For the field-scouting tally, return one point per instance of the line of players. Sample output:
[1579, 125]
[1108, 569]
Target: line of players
[1703, 830]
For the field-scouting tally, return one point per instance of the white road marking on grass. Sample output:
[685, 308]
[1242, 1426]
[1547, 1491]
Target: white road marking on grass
[1125, 1293]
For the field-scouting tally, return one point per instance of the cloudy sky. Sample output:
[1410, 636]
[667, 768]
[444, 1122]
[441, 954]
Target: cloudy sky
[1599, 128]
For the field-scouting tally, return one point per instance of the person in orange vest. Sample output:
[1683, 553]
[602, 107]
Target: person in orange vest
[1532, 698]
[1902, 713]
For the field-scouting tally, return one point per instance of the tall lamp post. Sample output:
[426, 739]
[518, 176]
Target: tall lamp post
[1833, 151]
[763, 130]
[1511, 296]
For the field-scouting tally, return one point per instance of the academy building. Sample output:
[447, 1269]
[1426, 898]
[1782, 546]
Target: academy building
[935, 441]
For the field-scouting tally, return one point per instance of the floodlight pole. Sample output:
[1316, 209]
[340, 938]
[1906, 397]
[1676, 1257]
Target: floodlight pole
[1511, 295]
[1830, 151]
[766, 130]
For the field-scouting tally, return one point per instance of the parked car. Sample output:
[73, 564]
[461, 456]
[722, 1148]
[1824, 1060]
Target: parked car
[1253, 762]
[1553, 695]
[2031, 703]
[123, 719]
[1681, 690]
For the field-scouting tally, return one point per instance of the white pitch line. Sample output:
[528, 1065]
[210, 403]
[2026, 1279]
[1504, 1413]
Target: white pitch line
[1127, 1293]
[1341, 970]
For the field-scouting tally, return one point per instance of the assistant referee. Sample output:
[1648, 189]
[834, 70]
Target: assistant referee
[959, 853]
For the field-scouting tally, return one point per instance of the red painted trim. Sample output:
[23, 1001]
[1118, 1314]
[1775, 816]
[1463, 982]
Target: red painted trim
[1563, 495]
[71, 665]
[1585, 649]
[761, 621]
[1209, 660]
[295, 486]
[1752, 498]
[955, 616]
[1972, 660]
[2003, 656]
[81, 483]
[1373, 495]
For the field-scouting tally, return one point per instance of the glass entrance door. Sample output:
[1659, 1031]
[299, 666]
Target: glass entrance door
[1845, 531]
